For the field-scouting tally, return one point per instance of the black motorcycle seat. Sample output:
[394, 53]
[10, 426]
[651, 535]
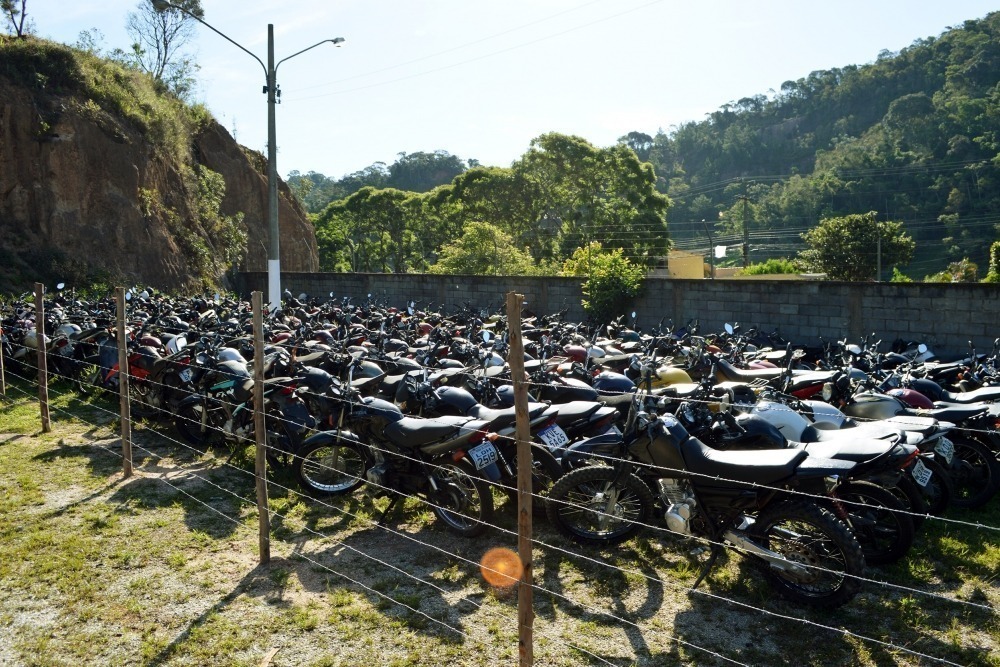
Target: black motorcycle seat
[575, 411]
[861, 432]
[810, 378]
[912, 423]
[859, 451]
[414, 432]
[981, 395]
[953, 413]
[757, 467]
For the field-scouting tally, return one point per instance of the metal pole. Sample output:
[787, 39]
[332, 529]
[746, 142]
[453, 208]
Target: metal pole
[123, 382]
[40, 349]
[260, 461]
[525, 613]
[274, 252]
[711, 248]
[3, 376]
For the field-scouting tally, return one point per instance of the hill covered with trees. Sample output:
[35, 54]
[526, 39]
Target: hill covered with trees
[913, 137]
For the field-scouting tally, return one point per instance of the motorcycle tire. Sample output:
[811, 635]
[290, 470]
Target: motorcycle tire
[463, 500]
[938, 492]
[806, 533]
[908, 492]
[325, 469]
[545, 470]
[974, 473]
[878, 520]
[595, 505]
[187, 421]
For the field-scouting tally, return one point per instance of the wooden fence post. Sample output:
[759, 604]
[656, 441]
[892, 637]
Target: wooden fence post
[260, 462]
[41, 350]
[123, 382]
[525, 592]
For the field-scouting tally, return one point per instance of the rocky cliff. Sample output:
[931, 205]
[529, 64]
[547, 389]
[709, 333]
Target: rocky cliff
[101, 175]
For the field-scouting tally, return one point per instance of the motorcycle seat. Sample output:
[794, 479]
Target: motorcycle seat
[754, 467]
[981, 395]
[415, 432]
[953, 413]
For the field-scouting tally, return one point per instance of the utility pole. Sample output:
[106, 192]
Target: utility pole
[746, 229]
[711, 247]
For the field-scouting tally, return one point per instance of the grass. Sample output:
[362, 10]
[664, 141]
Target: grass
[161, 569]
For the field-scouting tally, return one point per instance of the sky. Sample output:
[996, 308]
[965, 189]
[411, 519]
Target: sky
[480, 79]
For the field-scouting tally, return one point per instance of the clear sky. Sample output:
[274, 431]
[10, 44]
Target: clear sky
[481, 78]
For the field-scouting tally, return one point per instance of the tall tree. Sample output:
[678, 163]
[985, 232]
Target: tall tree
[483, 250]
[851, 247]
[159, 36]
[15, 11]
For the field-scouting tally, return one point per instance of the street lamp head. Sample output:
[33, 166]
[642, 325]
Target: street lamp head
[336, 40]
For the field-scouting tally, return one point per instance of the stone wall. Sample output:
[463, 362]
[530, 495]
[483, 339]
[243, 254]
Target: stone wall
[945, 316]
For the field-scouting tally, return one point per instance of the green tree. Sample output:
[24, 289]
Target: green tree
[159, 36]
[15, 11]
[372, 230]
[845, 248]
[993, 276]
[603, 194]
[483, 249]
[962, 271]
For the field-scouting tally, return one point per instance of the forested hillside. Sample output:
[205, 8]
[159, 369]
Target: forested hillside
[912, 136]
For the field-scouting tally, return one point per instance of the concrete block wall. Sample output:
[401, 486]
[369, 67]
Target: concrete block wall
[945, 316]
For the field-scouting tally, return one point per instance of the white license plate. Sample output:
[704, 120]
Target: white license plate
[483, 455]
[554, 436]
[921, 473]
[946, 448]
[185, 375]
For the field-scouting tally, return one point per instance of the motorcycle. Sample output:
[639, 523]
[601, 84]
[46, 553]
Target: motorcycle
[752, 502]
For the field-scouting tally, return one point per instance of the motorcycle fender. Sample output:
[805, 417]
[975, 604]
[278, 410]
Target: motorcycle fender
[330, 437]
[490, 472]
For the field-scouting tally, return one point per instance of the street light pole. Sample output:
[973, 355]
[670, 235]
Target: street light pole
[271, 88]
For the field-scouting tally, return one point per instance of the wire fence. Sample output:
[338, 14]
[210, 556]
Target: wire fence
[546, 547]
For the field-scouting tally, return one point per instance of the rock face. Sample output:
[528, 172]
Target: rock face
[75, 189]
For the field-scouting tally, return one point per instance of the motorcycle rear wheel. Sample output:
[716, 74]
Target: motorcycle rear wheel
[188, 424]
[545, 470]
[464, 500]
[974, 473]
[810, 535]
[878, 520]
[590, 506]
[330, 468]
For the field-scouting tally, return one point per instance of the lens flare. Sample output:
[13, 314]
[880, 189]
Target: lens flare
[500, 567]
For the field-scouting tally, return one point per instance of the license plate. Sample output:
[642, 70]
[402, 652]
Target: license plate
[185, 375]
[921, 473]
[946, 448]
[483, 455]
[554, 437]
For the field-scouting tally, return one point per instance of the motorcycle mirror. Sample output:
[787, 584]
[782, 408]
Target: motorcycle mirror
[633, 314]
[854, 349]
[218, 297]
[60, 286]
[486, 336]
[729, 328]
[128, 295]
[303, 296]
[921, 348]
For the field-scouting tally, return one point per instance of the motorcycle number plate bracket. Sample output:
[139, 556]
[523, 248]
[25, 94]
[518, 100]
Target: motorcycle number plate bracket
[483, 455]
[554, 436]
[945, 448]
[921, 473]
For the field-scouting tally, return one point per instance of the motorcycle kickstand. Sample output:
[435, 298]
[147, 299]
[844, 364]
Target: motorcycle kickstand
[714, 556]
[385, 513]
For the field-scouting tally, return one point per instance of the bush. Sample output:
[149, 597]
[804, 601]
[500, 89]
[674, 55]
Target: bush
[612, 283]
[780, 265]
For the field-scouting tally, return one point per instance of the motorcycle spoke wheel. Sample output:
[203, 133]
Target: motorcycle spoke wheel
[330, 468]
[545, 470]
[188, 424]
[974, 474]
[878, 520]
[814, 538]
[464, 501]
[139, 399]
[590, 506]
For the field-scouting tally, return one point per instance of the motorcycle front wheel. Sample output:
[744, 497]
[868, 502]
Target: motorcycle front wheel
[464, 500]
[596, 505]
[330, 468]
[813, 537]
[188, 423]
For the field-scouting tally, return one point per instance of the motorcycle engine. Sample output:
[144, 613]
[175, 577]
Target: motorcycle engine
[676, 496]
